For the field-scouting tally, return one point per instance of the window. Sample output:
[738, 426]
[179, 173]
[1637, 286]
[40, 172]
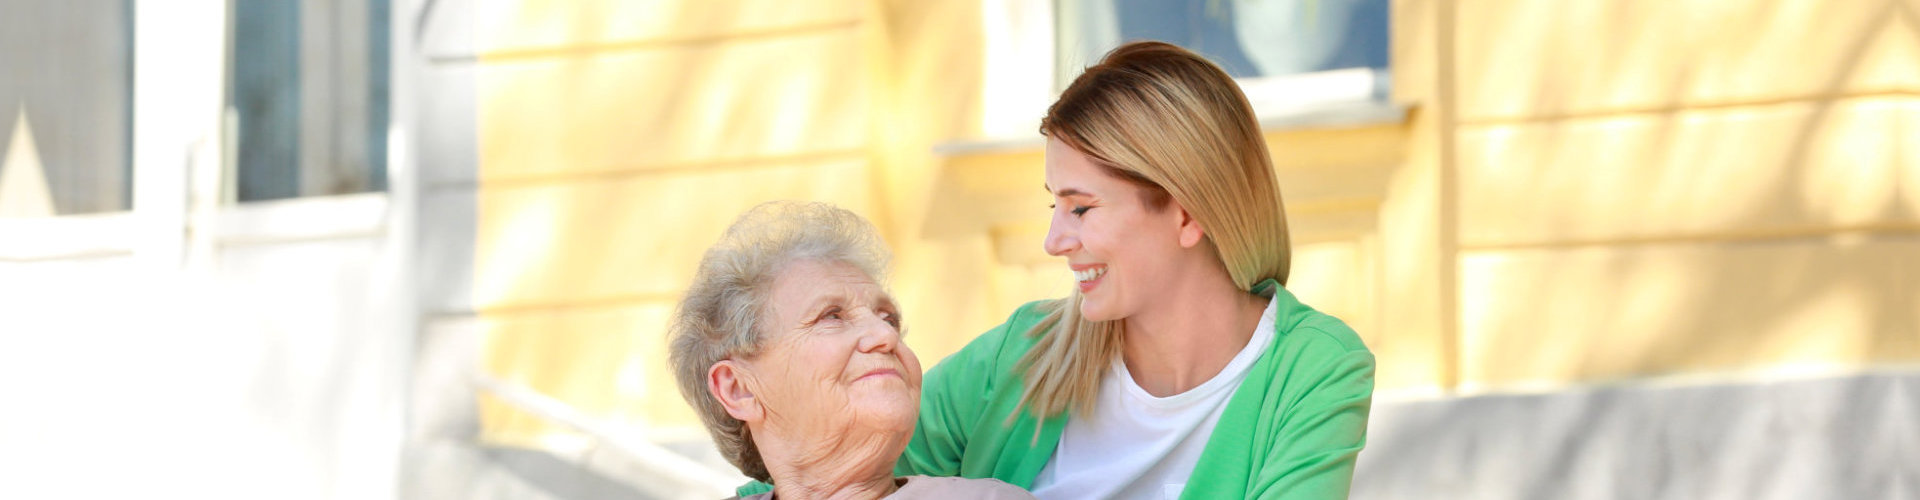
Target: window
[1289, 55]
[308, 98]
[66, 107]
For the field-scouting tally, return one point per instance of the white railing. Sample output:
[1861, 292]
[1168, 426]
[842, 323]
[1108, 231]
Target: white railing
[669, 465]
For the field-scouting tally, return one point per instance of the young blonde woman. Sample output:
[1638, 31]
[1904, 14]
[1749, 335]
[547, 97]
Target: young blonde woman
[1180, 366]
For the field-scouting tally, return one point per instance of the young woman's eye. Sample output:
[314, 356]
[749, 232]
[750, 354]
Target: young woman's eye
[1079, 211]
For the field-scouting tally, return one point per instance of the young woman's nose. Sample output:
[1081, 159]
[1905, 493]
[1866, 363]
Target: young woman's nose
[1059, 240]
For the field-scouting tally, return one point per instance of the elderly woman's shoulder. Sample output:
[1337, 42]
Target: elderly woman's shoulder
[929, 487]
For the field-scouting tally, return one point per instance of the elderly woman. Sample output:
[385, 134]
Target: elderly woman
[789, 348]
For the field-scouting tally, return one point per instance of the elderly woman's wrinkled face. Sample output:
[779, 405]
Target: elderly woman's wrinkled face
[833, 356]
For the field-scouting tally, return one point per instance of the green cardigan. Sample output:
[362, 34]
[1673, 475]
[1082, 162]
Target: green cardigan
[1292, 430]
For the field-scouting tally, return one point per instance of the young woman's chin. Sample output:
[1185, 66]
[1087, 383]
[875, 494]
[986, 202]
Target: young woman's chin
[1097, 310]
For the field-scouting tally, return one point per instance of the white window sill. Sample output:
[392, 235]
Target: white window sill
[67, 237]
[361, 215]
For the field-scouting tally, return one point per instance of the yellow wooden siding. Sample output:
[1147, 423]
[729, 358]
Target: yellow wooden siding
[515, 28]
[1751, 171]
[1649, 188]
[685, 107]
[1527, 59]
[1907, 157]
[635, 236]
[1546, 317]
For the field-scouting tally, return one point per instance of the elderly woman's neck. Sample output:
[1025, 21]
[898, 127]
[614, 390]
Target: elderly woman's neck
[822, 467]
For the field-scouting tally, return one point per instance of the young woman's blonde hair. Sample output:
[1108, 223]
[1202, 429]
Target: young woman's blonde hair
[1170, 121]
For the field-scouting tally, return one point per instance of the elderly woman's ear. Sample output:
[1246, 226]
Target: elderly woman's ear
[728, 385]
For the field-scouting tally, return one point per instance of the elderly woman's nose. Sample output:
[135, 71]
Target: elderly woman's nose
[876, 335]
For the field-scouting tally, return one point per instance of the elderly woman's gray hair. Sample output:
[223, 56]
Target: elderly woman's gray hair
[720, 315]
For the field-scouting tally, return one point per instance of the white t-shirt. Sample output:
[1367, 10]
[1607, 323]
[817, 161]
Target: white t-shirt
[1135, 445]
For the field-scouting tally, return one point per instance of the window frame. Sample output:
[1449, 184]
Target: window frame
[181, 184]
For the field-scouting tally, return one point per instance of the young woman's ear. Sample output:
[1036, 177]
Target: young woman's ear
[726, 381]
[1190, 231]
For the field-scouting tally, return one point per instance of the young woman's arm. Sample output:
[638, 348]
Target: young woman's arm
[949, 404]
[1319, 438]
[968, 425]
[953, 396]
[1295, 433]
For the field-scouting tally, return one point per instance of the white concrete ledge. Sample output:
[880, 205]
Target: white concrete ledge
[1843, 437]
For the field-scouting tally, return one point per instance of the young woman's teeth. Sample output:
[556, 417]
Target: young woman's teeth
[1089, 274]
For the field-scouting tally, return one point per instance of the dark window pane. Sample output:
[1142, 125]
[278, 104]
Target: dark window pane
[265, 98]
[309, 97]
[379, 30]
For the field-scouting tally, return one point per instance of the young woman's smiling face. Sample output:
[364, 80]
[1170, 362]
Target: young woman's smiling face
[1118, 247]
